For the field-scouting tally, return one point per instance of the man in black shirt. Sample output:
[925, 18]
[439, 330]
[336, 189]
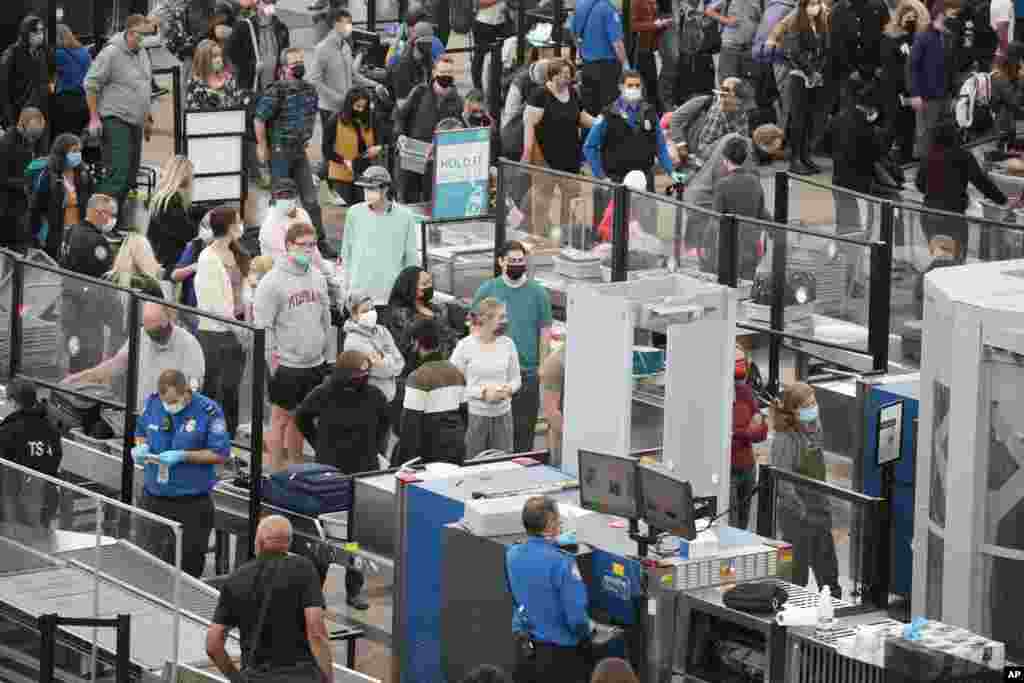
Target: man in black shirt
[28, 439]
[86, 307]
[280, 594]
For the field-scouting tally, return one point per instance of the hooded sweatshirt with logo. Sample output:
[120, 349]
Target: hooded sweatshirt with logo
[121, 80]
[293, 305]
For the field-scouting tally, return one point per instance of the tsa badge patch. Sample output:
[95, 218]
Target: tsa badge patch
[218, 426]
[74, 346]
[101, 253]
[190, 426]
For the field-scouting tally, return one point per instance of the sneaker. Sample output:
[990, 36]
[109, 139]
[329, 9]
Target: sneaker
[357, 602]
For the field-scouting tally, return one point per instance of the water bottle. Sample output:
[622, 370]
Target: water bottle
[826, 612]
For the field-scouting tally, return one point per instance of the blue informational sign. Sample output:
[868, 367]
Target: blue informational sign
[462, 161]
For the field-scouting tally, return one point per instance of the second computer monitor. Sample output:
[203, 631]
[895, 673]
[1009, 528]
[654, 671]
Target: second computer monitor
[666, 501]
[608, 483]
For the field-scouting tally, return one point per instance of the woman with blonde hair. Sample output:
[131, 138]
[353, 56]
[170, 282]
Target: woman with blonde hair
[803, 518]
[72, 59]
[210, 85]
[135, 266]
[171, 225]
[909, 19]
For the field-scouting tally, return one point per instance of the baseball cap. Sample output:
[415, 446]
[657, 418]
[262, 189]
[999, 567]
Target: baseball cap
[374, 176]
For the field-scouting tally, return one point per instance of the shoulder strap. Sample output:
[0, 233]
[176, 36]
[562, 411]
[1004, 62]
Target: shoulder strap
[256, 53]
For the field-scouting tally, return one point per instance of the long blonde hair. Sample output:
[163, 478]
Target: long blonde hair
[895, 25]
[175, 179]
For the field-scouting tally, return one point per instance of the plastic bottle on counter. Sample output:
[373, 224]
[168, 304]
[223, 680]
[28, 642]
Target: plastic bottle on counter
[826, 612]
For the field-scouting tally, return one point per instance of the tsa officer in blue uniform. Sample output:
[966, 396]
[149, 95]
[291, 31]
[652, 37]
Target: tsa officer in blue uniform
[180, 437]
[550, 621]
[597, 25]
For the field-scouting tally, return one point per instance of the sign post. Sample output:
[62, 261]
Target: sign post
[462, 161]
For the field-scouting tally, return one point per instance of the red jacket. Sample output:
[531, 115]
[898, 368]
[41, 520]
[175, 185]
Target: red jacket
[745, 434]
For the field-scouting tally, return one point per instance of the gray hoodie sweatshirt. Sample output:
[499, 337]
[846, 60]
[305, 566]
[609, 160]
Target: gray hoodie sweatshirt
[292, 303]
[374, 340]
[334, 72]
[121, 80]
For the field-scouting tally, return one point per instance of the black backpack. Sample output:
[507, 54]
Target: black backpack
[699, 34]
[756, 596]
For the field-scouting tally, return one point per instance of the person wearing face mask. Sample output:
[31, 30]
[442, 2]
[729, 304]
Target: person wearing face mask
[184, 273]
[363, 333]
[528, 309]
[256, 42]
[211, 86]
[24, 71]
[222, 288]
[378, 241]
[597, 25]
[70, 113]
[748, 428]
[180, 438]
[417, 117]
[909, 19]
[292, 304]
[351, 144]
[163, 345]
[549, 600]
[432, 427]
[705, 119]
[804, 517]
[628, 137]
[334, 72]
[17, 149]
[59, 193]
[490, 363]
[930, 76]
[284, 122]
[805, 52]
[28, 439]
[414, 63]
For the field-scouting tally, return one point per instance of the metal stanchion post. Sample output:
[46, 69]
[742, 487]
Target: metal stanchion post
[781, 215]
[881, 291]
[521, 34]
[259, 348]
[500, 212]
[371, 15]
[620, 233]
[17, 302]
[728, 251]
[494, 99]
[124, 647]
[130, 402]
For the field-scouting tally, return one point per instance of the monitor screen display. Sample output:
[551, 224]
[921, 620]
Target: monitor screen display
[608, 483]
[666, 502]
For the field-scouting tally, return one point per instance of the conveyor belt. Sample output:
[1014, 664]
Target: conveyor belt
[128, 563]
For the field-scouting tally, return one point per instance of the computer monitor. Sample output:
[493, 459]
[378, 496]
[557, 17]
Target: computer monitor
[608, 483]
[666, 501]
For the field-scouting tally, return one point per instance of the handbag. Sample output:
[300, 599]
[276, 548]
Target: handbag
[305, 672]
[757, 596]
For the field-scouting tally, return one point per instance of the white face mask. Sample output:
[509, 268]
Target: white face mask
[632, 94]
[369, 319]
[206, 234]
[285, 206]
[109, 225]
[174, 408]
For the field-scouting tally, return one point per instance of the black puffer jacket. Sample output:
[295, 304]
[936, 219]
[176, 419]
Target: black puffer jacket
[856, 36]
[433, 426]
[24, 75]
[345, 423]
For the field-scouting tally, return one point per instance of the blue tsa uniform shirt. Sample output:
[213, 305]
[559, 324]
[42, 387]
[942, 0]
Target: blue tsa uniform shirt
[548, 592]
[598, 27]
[200, 426]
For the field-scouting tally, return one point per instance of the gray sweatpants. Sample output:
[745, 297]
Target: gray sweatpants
[486, 433]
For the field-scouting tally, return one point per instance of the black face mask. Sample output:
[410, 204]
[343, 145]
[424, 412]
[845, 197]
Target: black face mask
[428, 294]
[298, 71]
[445, 81]
[161, 335]
[515, 272]
[478, 120]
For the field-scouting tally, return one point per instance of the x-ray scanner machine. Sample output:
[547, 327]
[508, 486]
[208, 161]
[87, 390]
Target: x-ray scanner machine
[699, 321]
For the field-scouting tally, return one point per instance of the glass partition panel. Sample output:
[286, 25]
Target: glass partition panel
[565, 220]
[666, 235]
[6, 292]
[460, 255]
[831, 538]
[73, 331]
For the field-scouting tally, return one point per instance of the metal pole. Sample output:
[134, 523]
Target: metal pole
[179, 115]
[176, 624]
[881, 290]
[17, 301]
[130, 401]
[779, 236]
[96, 569]
[124, 646]
[259, 349]
[728, 248]
[371, 15]
[558, 18]
[521, 34]
[500, 211]
[766, 502]
[47, 624]
[620, 233]
[627, 35]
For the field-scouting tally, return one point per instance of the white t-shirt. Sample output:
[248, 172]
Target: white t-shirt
[182, 352]
[1002, 11]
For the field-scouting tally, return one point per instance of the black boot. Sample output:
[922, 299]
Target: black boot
[796, 157]
[354, 581]
[809, 163]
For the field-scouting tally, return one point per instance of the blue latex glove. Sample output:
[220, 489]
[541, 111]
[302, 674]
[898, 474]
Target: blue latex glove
[678, 177]
[567, 538]
[140, 453]
[172, 458]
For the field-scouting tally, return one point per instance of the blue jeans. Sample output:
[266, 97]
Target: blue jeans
[292, 162]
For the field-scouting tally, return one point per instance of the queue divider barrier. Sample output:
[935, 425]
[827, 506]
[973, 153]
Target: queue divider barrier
[89, 321]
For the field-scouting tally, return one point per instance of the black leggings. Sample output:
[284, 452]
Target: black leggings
[484, 35]
[803, 103]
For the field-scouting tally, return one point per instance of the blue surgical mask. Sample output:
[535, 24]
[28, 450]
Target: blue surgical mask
[809, 414]
[73, 159]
